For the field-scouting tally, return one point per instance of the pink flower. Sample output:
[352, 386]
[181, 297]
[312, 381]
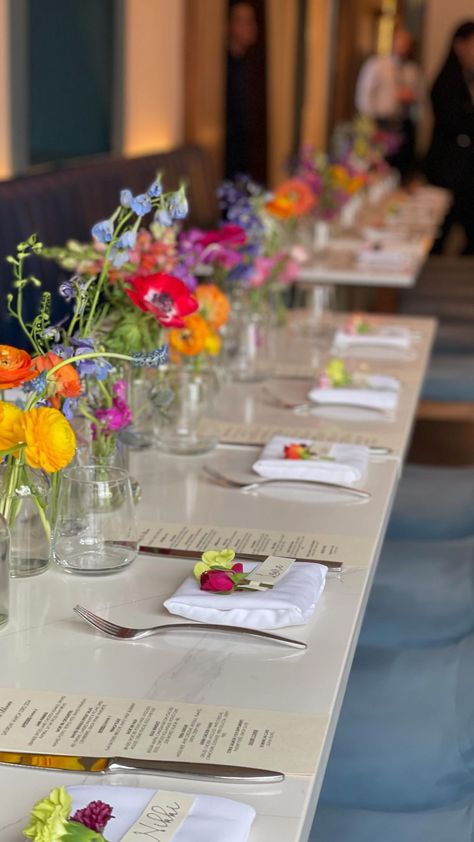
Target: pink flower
[220, 581]
[290, 271]
[95, 816]
[217, 580]
[263, 267]
[228, 235]
[325, 381]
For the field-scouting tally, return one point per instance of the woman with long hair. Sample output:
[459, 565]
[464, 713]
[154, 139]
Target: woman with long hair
[450, 159]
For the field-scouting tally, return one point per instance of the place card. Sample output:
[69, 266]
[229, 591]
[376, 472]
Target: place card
[96, 726]
[327, 548]
[161, 818]
[234, 432]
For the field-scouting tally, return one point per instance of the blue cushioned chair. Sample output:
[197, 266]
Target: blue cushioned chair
[450, 377]
[405, 737]
[433, 503]
[423, 594]
[451, 824]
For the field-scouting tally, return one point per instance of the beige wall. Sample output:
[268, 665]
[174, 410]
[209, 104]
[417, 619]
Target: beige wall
[5, 144]
[153, 95]
[154, 75]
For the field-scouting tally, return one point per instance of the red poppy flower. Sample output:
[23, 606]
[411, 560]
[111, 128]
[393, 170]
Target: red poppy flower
[163, 295]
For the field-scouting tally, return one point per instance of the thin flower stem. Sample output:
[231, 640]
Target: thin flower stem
[105, 270]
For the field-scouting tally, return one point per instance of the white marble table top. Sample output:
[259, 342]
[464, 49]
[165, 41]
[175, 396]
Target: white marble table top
[45, 646]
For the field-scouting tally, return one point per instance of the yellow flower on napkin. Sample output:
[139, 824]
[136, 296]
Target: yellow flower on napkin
[49, 817]
[214, 558]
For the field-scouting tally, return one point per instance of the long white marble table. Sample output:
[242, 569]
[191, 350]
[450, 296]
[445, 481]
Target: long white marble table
[45, 647]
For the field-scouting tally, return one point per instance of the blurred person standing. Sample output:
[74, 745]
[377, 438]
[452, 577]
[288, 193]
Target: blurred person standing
[391, 90]
[450, 158]
[242, 36]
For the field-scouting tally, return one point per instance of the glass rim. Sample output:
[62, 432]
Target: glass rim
[121, 475]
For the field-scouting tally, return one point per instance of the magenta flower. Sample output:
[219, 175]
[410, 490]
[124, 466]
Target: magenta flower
[95, 816]
[117, 416]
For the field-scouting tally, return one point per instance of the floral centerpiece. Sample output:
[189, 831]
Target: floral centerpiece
[72, 369]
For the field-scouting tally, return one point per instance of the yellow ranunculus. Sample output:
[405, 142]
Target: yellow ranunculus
[50, 439]
[213, 343]
[11, 425]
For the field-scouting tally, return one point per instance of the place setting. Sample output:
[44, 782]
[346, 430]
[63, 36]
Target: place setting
[344, 392]
[363, 337]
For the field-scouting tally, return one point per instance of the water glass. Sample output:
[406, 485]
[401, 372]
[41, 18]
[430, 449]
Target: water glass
[95, 531]
[4, 571]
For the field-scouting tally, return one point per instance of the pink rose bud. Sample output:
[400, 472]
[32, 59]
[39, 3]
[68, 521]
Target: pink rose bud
[216, 580]
[238, 567]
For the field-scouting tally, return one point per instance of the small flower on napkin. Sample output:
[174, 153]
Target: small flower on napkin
[297, 451]
[50, 821]
[217, 573]
[358, 324]
[335, 375]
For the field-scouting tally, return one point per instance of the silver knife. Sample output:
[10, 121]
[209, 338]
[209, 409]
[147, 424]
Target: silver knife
[169, 768]
[196, 555]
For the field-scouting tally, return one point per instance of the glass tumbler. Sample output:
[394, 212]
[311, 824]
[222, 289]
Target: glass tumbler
[95, 531]
[4, 571]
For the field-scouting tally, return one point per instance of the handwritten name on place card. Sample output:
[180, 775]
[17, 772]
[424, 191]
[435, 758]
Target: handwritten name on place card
[161, 818]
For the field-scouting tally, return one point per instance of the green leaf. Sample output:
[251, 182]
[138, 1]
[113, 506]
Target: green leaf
[76, 832]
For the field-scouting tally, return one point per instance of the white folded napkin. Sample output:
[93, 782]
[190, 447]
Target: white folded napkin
[364, 398]
[291, 602]
[349, 465]
[390, 337]
[377, 381]
[383, 257]
[211, 819]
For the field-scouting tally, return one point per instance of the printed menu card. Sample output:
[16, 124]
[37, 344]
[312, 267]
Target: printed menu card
[41, 722]
[327, 548]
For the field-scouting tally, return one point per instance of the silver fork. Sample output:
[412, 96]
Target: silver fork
[227, 482]
[307, 407]
[125, 633]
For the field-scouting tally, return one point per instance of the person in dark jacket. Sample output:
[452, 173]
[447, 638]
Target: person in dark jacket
[450, 159]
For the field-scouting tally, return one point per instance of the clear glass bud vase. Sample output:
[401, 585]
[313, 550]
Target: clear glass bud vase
[247, 344]
[24, 500]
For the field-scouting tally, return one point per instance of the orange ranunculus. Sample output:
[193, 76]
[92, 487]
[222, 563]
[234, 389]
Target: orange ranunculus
[49, 438]
[214, 306]
[190, 339]
[11, 425]
[15, 367]
[292, 198]
[66, 379]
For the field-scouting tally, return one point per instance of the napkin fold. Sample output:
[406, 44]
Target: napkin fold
[349, 465]
[395, 258]
[291, 602]
[390, 337]
[365, 398]
[211, 819]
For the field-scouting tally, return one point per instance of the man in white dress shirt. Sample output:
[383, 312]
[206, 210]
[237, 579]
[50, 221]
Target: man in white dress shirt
[390, 90]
